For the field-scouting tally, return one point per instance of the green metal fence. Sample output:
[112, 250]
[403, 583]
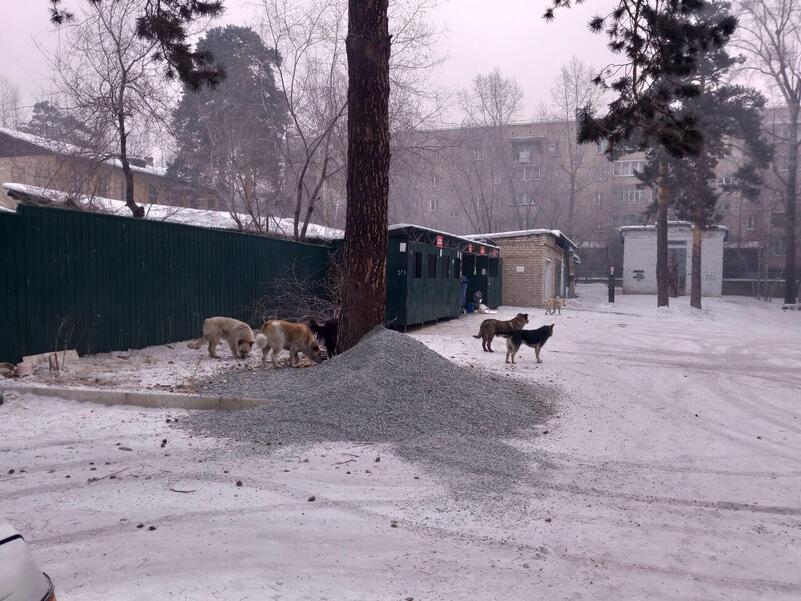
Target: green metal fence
[98, 282]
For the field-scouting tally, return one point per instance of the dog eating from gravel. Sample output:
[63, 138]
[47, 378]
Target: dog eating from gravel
[237, 333]
[294, 337]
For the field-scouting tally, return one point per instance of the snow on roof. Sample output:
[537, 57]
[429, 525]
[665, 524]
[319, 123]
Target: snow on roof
[67, 149]
[630, 228]
[520, 233]
[401, 226]
[197, 217]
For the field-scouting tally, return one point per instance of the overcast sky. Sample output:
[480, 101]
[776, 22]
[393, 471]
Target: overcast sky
[478, 36]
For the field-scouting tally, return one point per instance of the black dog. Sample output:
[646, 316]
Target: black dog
[327, 333]
[533, 338]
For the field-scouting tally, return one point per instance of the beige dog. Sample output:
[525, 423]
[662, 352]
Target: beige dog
[552, 305]
[293, 337]
[237, 333]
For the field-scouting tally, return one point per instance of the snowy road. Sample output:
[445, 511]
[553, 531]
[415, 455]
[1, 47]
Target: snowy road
[671, 471]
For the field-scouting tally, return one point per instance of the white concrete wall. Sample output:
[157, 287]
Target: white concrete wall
[639, 259]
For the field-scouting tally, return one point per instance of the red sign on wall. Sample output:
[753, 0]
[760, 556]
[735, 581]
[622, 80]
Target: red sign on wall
[440, 241]
[481, 250]
[469, 247]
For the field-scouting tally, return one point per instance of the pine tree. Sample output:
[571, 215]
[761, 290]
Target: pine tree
[364, 286]
[728, 117]
[228, 137]
[661, 43]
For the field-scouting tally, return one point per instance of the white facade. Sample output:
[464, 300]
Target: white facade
[639, 258]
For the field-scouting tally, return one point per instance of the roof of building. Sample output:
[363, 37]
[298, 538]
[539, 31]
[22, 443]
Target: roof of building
[281, 226]
[67, 149]
[523, 233]
[406, 226]
[629, 228]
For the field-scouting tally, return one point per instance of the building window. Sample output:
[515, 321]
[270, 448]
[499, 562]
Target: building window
[478, 154]
[777, 219]
[553, 149]
[634, 194]
[632, 219]
[599, 199]
[726, 180]
[523, 153]
[529, 173]
[524, 199]
[432, 266]
[776, 248]
[433, 180]
[433, 204]
[627, 168]
[496, 178]
[418, 265]
[751, 223]
[601, 146]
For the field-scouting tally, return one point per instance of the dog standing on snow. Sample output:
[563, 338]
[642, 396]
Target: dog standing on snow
[492, 327]
[536, 339]
[237, 333]
[296, 338]
[552, 305]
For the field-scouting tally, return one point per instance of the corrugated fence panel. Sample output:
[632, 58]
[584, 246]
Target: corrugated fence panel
[100, 283]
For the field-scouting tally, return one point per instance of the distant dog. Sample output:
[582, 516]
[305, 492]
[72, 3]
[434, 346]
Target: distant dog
[552, 305]
[237, 333]
[294, 337]
[327, 333]
[490, 327]
[536, 339]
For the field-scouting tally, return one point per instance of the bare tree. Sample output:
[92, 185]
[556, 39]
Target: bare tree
[312, 77]
[112, 78]
[770, 34]
[10, 109]
[572, 91]
[481, 171]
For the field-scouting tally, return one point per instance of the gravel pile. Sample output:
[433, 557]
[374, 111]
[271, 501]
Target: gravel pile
[390, 388]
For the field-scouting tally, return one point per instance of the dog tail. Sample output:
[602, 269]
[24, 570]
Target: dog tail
[195, 344]
[261, 341]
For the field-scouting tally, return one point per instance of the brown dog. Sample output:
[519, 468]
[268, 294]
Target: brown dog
[293, 337]
[491, 327]
[237, 333]
[552, 305]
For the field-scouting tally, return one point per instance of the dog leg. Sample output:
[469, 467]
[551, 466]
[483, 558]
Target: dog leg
[232, 346]
[537, 352]
[274, 358]
[489, 345]
[213, 346]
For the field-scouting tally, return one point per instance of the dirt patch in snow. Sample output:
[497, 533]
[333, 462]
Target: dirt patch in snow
[393, 389]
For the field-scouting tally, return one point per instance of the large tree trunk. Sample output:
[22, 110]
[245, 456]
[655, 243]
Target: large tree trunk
[695, 278]
[130, 201]
[368, 48]
[790, 285]
[662, 271]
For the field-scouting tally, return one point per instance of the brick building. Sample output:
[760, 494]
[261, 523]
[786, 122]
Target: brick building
[536, 265]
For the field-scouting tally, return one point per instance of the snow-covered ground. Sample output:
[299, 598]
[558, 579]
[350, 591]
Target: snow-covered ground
[672, 470]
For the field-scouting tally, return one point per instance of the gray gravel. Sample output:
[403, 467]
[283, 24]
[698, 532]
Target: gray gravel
[393, 389]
